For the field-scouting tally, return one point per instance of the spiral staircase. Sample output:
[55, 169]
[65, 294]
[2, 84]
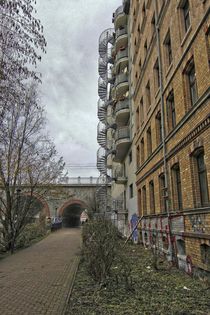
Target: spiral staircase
[105, 82]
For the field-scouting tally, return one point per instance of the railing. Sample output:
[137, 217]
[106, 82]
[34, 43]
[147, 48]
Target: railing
[118, 11]
[118, 172]
[122, 54]
[122, 31]
[118, 204]
[78, 180]
[122, 105]
[122, 133]
[121, 78]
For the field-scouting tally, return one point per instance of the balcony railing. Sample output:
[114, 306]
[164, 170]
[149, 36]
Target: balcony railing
[122, 105]
[122, 31]
[78, 180]
[118, 11]
[122, 54]
[118, 172]
[122, 133]
[118, 205]
[121, 78]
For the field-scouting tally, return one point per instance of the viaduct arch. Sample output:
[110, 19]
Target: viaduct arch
[71, 211]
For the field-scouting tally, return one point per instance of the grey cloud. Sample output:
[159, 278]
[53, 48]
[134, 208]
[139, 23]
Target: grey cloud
[69, 69]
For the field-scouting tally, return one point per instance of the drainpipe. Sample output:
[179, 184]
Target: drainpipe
[166, 190]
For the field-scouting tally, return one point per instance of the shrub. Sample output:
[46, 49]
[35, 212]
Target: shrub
[31, 232]
[100, 248]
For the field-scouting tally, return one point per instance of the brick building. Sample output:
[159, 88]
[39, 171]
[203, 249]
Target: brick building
[170, 89]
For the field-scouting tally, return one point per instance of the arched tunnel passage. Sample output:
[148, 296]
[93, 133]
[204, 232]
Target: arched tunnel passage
[71, 215]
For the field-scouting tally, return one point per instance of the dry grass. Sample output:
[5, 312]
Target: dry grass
[146, 291]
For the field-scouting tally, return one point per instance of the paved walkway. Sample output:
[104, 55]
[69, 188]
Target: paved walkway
[36, 280]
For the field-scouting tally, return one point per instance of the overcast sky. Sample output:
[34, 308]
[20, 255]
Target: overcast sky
[70, 74]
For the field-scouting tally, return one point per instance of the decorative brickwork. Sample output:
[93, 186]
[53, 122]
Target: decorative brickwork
[175, 77]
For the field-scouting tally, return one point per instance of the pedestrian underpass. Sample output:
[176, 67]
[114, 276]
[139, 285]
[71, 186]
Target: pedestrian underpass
[71, 216]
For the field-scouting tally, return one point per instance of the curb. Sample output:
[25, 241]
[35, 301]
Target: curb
[72, 281]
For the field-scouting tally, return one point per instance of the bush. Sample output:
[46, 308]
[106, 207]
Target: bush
[100, 248]
[31, 232]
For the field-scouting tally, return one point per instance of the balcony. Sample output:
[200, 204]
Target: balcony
[120, 18]
[118, 175]
[121, 38]
[122, 112]
[122, 142]
[121, 85]
[126, 6]
[109, 160]
[121, 60]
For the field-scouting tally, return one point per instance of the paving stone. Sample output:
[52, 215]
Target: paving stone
[36, 280]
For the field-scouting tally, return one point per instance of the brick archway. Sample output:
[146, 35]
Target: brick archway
[69, 203]
[46, 208]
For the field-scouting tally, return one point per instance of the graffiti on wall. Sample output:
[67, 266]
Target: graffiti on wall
[198, 222]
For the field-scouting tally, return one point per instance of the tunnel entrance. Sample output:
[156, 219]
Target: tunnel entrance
[71, 216]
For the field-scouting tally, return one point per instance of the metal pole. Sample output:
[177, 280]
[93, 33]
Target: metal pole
[166, 190]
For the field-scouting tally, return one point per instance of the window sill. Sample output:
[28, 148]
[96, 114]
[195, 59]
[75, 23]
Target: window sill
[157, 93]
[149, 109]
[186, 36]
[169, 69]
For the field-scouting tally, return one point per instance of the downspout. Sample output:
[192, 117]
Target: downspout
[166, 188]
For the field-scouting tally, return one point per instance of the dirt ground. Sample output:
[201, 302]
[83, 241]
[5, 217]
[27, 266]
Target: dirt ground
[146, 291]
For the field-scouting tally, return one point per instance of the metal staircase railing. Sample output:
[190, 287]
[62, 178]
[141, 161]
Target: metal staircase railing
[106, 40]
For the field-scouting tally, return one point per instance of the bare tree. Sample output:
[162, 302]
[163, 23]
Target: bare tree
[21, 43]
[28, 163]
[21, 39]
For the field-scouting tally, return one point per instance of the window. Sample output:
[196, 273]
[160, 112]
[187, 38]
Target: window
[153, 24]
[141, 111]
[202, 177]
[144, 200]
[171, 111]
[148, 95]
[186, 15]
[168, 49]
[130, 157]
[145, 49]
[158, 128]
[152, 197]
[142, 150]
[131, 191]
[181, 248]
[156, 74]
[138, 157]
[208, 44]
[137, 119]
[192, 83]
[162, 190]
[149, 142]
[199, 178]
[143, 10]
[140, 202]
[143, 14]
[205, 254]
[177, 188]
[140, 64]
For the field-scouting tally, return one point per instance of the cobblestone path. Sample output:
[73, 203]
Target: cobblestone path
[36, 280]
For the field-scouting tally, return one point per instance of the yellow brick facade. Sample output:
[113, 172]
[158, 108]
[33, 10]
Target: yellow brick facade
[160, 33]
